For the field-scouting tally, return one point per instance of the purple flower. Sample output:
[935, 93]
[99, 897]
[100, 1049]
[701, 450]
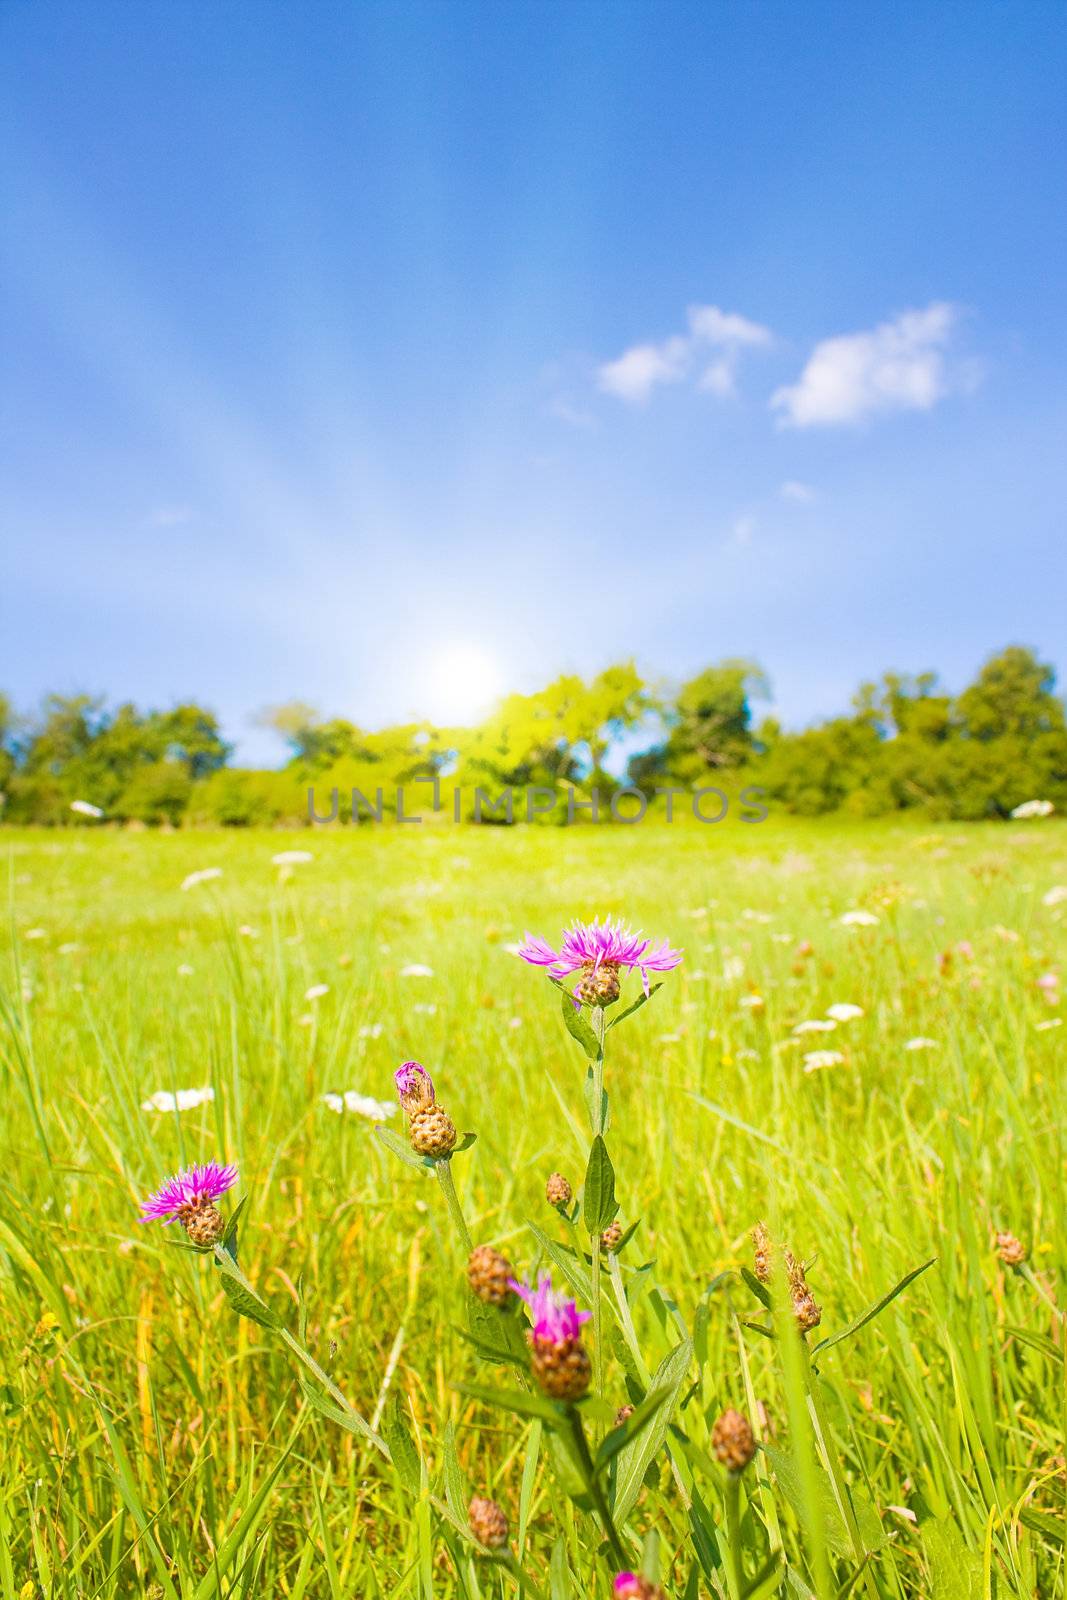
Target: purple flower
[588, 946]
[626, 1584]
[555, 1318]
[187, 1191]
[414, 1087]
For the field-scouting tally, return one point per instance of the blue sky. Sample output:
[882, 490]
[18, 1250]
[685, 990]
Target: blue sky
[373, 355]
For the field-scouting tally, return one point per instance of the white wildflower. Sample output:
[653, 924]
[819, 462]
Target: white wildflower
[248, 932]
[371, 1030]
[35, 933]
[204, 875]
[85, 808]
[815, 1025]
[751, 1002]
[316, 991]
[732, 969]
[185, 970]
[416, 970]
[859, 919]
[334, 1101]
[183, 1100]
[921, 1043]
[1050, 1022]
[514, 1022]
[291, 858]
[70, 948]
[511, 949]
[816, 1059]
[844, 1011]
[1055, 896]
[423, 1009]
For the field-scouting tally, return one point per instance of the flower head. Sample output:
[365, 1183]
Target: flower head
[414, 1087]
[555, 1318]
[188, 1191]
[588, 947]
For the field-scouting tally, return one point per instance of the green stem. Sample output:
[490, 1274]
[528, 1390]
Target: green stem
[626, 1319]
[443, 1169]
[596, 1492]
[598, 1345]
[833, 1467]
[1027, 1272]
[304, 1356]
[734, 1566]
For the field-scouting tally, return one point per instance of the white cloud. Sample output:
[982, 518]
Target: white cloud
[639, 370]
[793, 489]
[898, 366]
[743, 529]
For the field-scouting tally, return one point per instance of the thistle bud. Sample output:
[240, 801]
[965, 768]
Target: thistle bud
[561, 1369]
[732, 1441]
[611, 1238]
[488, 1523]
[805, 1308]
[761, 1245]
[203, 1224]
[1010, 1250]
[558, 1191]
[598, 985]
[559, 1361]
[432, 1131]
[623, 1415]
[488, 1273]
[414, 1087]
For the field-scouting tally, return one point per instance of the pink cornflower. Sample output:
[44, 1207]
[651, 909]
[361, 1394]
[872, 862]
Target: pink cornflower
[590, 947]
[414, 1087]
[189, 1190]
[555, 1318]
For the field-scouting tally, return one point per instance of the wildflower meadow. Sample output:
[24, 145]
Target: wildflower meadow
[652, 1213]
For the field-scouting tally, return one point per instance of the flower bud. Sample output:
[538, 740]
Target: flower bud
[732, 1441]
[432, 1131]
[558, 1191]
[488, 1523]
[1010, 1250]
[623, 1414]
[488, 1273]
[611, 1238]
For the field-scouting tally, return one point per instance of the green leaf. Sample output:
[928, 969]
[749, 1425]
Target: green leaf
[760, 1290]
[402, 1446]
[457, 1491]
[229, 1238]
[577, 1024]
[465, 1142]
[955, 1571]
[523, 1404]
[635, 1458]
[838, 1538]
[495, 1332]
[621, 1437]
[641, 1000]
[872, 1311]
[401, 1148]
[1037, 1341]
[245, 1303]
[565, 1260]
[599, 1204]
[766, 1581]
[351, 1421]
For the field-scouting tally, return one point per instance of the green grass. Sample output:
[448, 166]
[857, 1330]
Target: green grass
[151, 1437]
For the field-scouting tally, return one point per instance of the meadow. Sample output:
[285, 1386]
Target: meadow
[155, 1443]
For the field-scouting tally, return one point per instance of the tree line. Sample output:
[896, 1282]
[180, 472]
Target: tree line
[904, 744]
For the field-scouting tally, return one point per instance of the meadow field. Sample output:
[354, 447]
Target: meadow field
[157, 1443]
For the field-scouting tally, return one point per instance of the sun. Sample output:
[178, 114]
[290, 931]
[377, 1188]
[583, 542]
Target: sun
[463, 682]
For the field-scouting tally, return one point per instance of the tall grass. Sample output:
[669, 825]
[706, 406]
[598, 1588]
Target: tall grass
[156, 1444]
